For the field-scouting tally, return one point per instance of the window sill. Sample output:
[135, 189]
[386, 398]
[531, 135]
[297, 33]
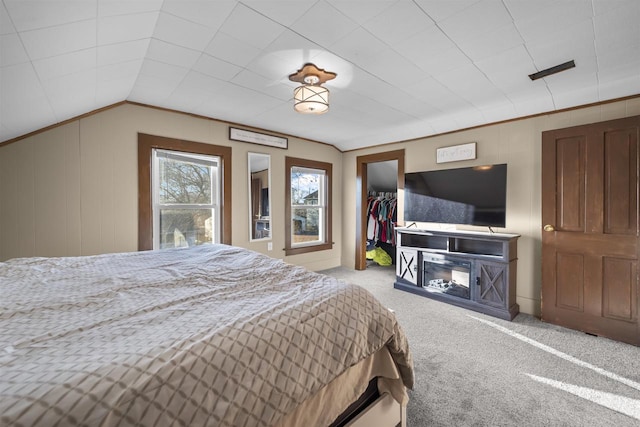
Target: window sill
[307, 249]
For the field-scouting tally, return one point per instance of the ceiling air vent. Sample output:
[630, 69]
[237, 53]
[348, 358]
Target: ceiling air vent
[552, 70]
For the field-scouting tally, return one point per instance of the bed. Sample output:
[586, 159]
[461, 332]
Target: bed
[210, 335]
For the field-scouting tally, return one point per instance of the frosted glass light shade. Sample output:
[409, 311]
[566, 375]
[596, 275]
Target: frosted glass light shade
[311, 99]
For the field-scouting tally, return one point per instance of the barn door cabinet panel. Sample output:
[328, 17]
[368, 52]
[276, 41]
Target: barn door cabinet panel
[407, 265]
[493, 281]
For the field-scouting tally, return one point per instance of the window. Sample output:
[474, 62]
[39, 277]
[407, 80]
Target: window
[308, 212]
[185, 199]
[183, 192]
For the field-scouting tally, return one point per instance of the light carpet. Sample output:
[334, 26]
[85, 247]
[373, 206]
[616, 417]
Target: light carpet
[477, 370]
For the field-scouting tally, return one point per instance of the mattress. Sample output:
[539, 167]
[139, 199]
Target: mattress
[210, 335]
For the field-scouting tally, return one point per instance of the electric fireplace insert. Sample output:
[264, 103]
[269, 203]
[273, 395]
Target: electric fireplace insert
[446, 275]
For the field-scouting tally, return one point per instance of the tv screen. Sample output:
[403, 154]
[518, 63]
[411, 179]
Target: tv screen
[474, 196]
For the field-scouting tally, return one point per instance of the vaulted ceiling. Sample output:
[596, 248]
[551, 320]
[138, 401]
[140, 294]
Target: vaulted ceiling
[406, 68]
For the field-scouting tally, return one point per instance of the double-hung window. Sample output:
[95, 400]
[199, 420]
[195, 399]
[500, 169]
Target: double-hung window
[184, 193]
[185, 199]
[308, 206]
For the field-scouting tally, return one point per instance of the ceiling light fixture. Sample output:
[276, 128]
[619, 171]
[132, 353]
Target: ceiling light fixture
[552, 70]
[311, 97]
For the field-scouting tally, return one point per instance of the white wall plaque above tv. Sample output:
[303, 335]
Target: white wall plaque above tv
[455, 153]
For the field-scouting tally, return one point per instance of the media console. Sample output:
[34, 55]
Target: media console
[470, 269]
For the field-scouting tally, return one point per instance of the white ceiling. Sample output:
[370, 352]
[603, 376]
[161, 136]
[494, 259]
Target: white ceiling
[406, 68]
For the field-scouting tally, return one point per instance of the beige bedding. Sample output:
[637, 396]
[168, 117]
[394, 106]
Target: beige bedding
[329, 402]
[211, 335]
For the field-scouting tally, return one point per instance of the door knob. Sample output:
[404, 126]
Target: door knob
[549, 227]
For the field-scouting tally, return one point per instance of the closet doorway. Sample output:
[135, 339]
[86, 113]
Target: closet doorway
[362, 193]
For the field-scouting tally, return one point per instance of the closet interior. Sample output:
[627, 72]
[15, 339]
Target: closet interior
[382, 216]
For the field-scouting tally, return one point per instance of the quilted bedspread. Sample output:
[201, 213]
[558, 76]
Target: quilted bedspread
[211, 335]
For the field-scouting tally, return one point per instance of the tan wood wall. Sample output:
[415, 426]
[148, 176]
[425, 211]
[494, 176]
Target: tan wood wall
[517, 143]
[72, 190]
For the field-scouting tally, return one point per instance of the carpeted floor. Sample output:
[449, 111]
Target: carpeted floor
[477, 370]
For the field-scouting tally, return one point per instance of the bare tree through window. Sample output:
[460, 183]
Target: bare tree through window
[186, 199]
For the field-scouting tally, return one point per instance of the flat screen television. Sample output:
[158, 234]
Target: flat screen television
[473, 196]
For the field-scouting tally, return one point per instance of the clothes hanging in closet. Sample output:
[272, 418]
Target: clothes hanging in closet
[381, 217]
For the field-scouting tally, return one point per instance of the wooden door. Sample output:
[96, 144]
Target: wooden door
[590, 228]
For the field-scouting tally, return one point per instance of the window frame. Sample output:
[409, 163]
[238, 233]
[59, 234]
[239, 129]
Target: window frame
[327, 243]
[213, 162]
[146, 144]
